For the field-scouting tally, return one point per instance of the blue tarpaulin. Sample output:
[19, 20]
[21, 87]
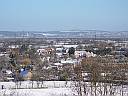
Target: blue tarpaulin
[24, 72]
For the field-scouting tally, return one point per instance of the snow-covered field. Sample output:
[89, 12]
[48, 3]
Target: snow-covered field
[46, 88]
[37, 92]
[34, 84]
[57, 88]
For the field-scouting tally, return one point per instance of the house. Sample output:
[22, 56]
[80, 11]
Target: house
[42, 51]
[69, 61]
[7, 75]
[84, 54]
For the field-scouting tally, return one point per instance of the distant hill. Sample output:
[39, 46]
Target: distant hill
[64, 34]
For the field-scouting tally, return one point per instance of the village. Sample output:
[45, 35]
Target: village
[28, 58]
[68, 60]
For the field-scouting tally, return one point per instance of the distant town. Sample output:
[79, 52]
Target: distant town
[64, 34]
[99, 59]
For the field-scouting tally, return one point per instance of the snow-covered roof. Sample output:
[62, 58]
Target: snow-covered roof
[59, 54]
[41, 50]
[8, 71]
[59, 45]
[58, 64]
[2, 54]
[8, 78]
[66, 46]
[88, 54]
[69, 46]
[59, 49]
[69, 61]
[14, 46]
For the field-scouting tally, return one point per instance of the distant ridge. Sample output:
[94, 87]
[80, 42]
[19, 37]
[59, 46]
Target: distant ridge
[64, 34]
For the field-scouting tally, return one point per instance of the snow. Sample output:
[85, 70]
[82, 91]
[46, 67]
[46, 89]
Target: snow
[69, 61]
[59, 49]
[8, 71]
[50, 88]
[69, 46]
[38, 92]
[59, 54]
[65, 46]
[28, 84]
[2, 54]
[58, 64]
[57, 88]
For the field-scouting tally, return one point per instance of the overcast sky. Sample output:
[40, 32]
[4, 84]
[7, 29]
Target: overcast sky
[43, 15]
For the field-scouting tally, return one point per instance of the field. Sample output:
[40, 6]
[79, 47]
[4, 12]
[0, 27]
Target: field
[49, 88]
[57, 88]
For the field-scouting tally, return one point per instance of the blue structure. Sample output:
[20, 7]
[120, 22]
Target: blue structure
[23, 73]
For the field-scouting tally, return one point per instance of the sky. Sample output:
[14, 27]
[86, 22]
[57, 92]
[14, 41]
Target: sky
[48, 15]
